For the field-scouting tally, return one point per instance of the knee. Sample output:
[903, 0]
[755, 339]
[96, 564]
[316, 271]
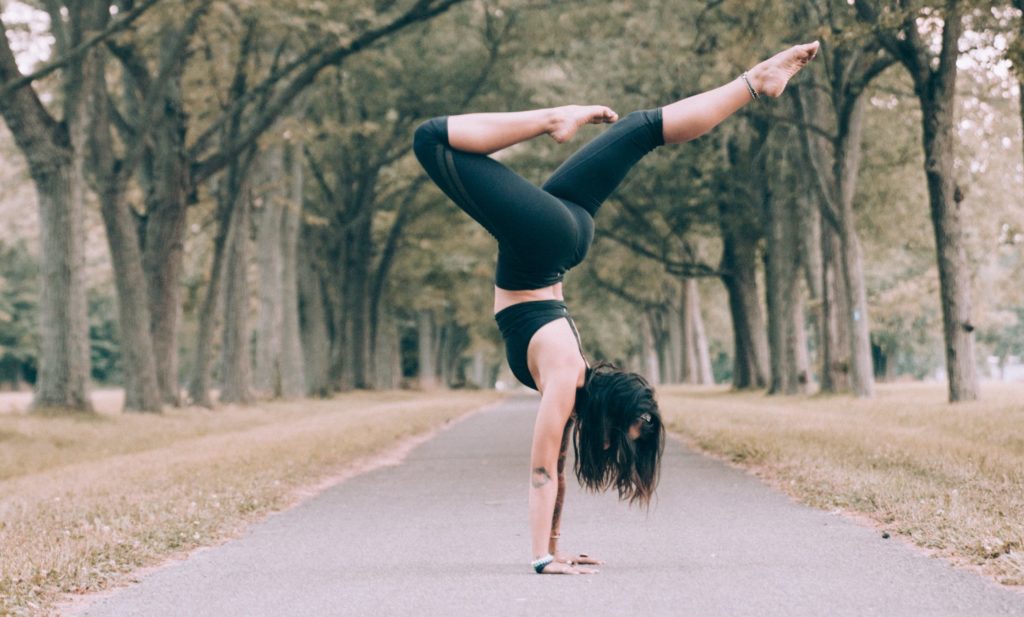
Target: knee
[649, 120]
[430, 133]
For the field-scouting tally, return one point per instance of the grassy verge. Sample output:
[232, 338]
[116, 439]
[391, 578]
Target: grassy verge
[84, 501]
[949, 478]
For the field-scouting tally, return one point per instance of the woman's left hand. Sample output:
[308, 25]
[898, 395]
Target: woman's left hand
[582, 558]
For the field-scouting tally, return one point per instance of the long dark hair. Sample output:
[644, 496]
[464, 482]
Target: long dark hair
[610, 402]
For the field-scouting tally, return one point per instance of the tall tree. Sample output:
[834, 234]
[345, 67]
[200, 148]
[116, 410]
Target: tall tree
[909, 40]
[830, 104]
[54, 149]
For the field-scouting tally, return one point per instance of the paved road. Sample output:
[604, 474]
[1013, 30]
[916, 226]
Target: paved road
[445, 534]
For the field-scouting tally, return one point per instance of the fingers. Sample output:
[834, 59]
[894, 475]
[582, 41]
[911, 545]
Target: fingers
[582, 558]
[558, 567]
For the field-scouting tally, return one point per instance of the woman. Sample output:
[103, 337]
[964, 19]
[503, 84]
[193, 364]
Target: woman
[541, 233]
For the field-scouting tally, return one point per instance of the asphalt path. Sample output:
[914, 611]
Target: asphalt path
[445, 534]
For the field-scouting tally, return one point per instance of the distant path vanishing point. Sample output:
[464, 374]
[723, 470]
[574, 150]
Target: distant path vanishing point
[445, 534]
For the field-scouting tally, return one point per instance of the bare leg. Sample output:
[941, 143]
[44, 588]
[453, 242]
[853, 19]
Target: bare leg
[489, 132]
[694, 116]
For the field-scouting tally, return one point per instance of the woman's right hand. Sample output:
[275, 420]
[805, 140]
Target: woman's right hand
[559, 567]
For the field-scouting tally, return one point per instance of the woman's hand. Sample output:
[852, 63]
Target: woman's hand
[582, 558]
[560, 567]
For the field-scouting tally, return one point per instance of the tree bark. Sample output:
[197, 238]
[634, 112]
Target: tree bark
[649, 346]
[210, 310]
[935, 77]
[676, 316]
[64, 363]
[293, 378]
[836, 348]
[316, 336]
[267, 368]
[739, 267]
[782, 267]
[699, 350]
[163, 252]
[847, 161]
[954, 276]
[426, 335]
[237, 374]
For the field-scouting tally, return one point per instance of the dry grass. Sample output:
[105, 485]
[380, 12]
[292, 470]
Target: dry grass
[84, 501]
[949, 478]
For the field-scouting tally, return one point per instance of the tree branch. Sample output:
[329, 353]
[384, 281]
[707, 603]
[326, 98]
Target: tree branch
[421, 11]
[113, 28]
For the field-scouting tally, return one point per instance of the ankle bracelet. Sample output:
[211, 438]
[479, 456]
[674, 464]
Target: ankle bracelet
[754, 94]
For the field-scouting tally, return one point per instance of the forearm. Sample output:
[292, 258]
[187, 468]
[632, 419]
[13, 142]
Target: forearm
[543, 495]
[484, 133]
[556, 517]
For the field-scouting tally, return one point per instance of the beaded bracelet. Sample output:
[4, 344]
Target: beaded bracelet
[540, 564]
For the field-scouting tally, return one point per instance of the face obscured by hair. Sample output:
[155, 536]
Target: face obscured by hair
[619, 435]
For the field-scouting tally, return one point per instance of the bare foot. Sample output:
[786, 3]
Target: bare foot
[568, 119]
[771, 76]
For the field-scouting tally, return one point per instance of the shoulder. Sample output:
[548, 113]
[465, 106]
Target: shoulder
[554, 356]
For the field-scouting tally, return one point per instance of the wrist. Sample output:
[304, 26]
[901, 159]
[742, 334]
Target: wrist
[542, 562]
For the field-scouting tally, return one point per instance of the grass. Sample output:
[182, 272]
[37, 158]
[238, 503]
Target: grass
[84, 501]
[950, 478]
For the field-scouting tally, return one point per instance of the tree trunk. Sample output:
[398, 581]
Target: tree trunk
[676, 316]
[649, 336]
[142, 389]
[293, 378]
[781, 281]
[64, 362]
[699, 350]
[836, 343]
[797, 346]
[689, 355]
[359, 243]
[425, 330]
[237, 377]
[954, 276]
[209, 313]
[267, 368]
[848, 154]
[739, 267]
[811, 219]
[163, 250]
[315, 333]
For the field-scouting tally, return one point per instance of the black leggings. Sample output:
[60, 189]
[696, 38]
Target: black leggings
[541, 232]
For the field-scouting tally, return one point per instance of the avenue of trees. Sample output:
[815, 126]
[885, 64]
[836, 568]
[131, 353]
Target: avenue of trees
[219, 196]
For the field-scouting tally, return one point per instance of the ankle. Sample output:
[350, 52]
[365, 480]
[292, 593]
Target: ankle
[756, 78]
[554, 118]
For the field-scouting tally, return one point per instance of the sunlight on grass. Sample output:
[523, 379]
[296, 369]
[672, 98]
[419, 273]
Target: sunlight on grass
[85, 500]
[949, 477]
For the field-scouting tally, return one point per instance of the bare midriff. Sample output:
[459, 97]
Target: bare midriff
[504, 298]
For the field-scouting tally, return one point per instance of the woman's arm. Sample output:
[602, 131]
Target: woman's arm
[556, 406]
[556, 517]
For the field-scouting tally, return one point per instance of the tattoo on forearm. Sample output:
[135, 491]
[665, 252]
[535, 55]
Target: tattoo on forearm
[540, 477]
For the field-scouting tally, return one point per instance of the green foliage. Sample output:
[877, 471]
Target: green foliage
[19, 301]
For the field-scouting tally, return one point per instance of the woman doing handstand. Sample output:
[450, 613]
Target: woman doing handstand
[610, 414]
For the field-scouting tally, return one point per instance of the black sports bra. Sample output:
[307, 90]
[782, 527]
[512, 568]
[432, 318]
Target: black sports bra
[519, 322]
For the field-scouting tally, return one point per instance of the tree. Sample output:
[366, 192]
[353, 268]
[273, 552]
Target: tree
[831, 109]
[54, 150]
[905, 34]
